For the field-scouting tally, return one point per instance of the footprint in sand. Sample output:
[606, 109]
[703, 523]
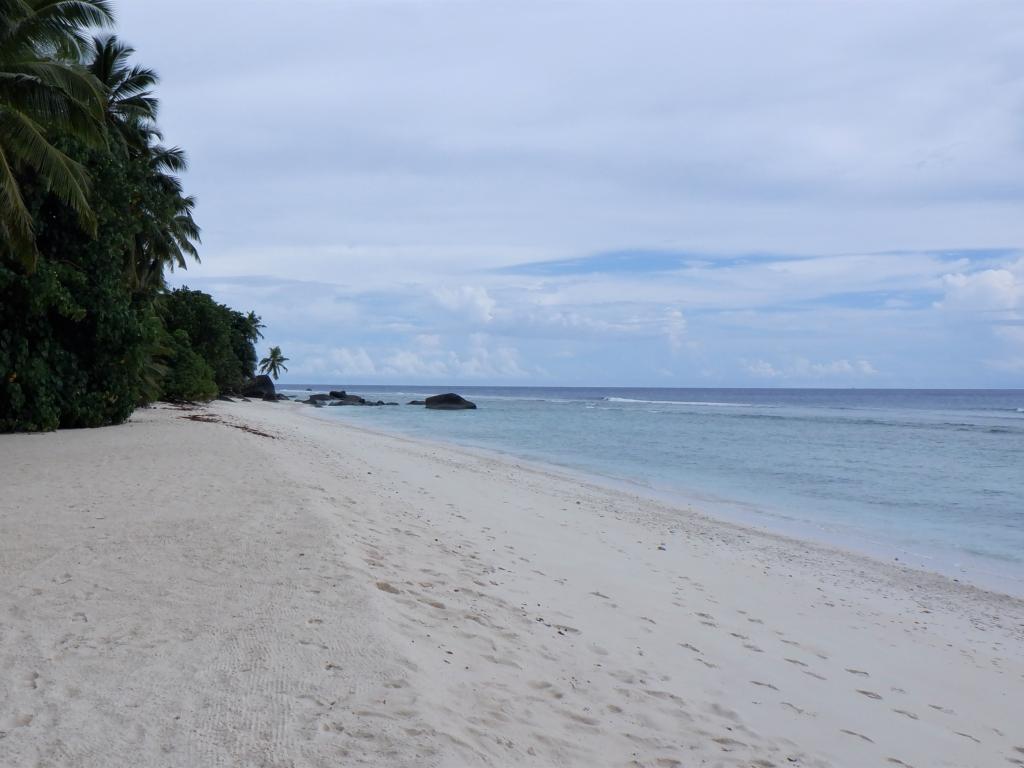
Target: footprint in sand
[869, 694]
[383, 586]
[727, 741]
[764, 685]
[858, 735]
[793, 707]
[858, 672]
[797, 662]
[905, 713]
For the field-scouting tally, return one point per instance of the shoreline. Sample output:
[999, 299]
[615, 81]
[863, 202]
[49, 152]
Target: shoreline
[727, 511]
[252, 587]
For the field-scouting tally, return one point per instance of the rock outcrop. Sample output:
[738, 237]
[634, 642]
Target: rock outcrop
[340, 398]
[261, 386]
[449, 402]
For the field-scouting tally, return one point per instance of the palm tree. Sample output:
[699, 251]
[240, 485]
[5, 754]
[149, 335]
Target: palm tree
[255, 327]
[165, 240]
[274, 362]
[44, 93]
[130, 106]
[169, 232]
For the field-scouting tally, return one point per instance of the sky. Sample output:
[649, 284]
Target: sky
[607, 193]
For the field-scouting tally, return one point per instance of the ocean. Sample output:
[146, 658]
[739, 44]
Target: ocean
[934, 478]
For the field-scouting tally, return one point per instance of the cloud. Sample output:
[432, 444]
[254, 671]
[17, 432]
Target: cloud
[349, 362]
[470, 300]
[985, 290]
[808, 370]
[675, 328]
[624, 205]
[411, 365]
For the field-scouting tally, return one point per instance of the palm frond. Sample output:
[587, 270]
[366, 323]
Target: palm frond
[59, 173]
[15, 220]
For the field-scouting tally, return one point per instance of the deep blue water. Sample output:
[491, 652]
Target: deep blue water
[933, 477]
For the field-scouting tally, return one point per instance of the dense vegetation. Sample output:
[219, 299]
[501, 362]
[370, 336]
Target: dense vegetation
[92, 215]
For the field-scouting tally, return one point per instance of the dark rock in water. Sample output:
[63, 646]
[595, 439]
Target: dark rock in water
[317, 404]
[309, 389]
[282, 397]
[318, 398]
[346, 400]
[261, 386]
[449, 402]
[338, 393]
[390, 403]
[226, 399]
[416, 402]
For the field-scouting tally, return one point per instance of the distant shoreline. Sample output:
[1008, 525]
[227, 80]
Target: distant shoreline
[926, 541]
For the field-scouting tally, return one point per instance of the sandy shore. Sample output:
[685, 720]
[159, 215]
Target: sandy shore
[190, 593]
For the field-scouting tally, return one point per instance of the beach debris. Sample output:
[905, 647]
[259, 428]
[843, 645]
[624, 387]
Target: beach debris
[209, 418]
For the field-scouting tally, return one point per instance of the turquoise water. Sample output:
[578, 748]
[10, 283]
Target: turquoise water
[935, 478]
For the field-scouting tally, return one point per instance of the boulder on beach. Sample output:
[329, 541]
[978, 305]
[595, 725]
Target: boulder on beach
[449, 402]
[261, 386]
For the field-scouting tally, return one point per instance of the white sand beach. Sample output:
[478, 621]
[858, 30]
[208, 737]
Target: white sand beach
[176, 592]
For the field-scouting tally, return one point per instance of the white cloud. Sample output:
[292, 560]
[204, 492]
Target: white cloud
[470, 300]
[803, 369]
[350, 362]
[985, 290]
[423, 162]
[410, 364]
[487, 359]
[762, 369]
[675, 328]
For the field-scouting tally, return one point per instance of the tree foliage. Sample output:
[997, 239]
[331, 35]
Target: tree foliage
[274, 362]
[92, 215]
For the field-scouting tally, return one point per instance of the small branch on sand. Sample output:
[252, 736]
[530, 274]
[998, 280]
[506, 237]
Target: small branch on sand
[211, 419]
